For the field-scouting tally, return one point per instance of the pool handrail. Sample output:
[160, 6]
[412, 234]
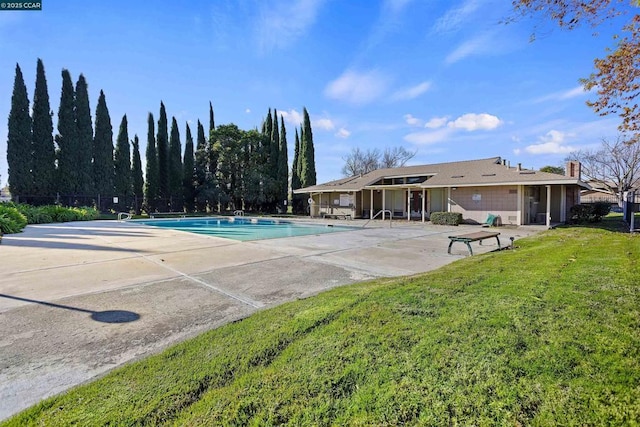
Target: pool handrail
[124, 216]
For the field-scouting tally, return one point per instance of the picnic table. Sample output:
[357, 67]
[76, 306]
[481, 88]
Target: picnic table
[478, 236]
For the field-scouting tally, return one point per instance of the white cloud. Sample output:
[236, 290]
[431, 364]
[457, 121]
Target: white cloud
[248, 110]
[324, 124]
[455, 17]
[292, 117]
[551, 143]
[480, 45]
[413, 121]
[357, 88]
[412, 92]
[563, 95]
[437, 122]
[428, 138]
[517, 151]
[343, 133]
[472, 121]
[280, 23]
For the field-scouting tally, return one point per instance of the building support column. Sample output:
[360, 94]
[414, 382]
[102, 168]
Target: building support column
[384, 203]
[371, 204]
[424, 195]
[520, 203]
[448, 199]
[408, 204]
[563, 203]
[548, 205]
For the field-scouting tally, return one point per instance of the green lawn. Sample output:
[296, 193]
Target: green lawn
[546, 334]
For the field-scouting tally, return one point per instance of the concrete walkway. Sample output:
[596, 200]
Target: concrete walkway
[78, 299]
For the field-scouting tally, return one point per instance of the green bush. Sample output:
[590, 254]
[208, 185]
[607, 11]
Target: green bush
[12, 220]
[585, 213]
[601, 209]
[22, 214]
[446, 218]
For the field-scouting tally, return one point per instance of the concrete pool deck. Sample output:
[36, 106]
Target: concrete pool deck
[78, 299]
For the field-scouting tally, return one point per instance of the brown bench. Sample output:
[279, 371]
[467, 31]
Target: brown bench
[478, 236]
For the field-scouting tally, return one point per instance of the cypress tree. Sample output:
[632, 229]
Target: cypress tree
[274, 147]
[103, 150]
[295, 177]
[162, 142]
[19, 155]
[152, 183]
[283, 164]
[308, 175]
[201, 167]
[137, 181]
[84, 125]
[67, 139]
[212, 124]
[175, 165]
[43, 167]
[299, 164]
[122, 162]
[188, 180]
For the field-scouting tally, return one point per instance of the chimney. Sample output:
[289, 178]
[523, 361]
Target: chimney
[519, 167]
[573, 169]
[504, 162]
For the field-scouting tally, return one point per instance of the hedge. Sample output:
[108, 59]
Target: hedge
[592, 212]
[15, 216]
[446, 218]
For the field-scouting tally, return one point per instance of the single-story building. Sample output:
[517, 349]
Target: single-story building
[475, 188]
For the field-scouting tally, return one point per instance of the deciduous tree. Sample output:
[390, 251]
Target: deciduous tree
[616, 78]
[614, 167]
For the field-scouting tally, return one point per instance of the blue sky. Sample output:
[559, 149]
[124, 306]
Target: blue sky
[442, 77]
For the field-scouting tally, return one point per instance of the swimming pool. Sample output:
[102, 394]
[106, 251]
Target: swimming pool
[243, 229]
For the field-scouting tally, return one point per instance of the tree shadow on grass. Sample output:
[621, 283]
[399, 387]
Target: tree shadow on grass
[107, 316]
[613, 222]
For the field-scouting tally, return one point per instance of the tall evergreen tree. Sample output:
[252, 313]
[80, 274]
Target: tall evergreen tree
[274, 147]
[67, 139]
[175, 165]
[201, 168]
[103, 150]
[152, 182]
[19, 154]
[137, 181]
[84, 153]
[308, 175]
[162, 143]
[295, 177]
[283, 164]
[212, 124]
[122, 162]
[43, 149]
[188, 179]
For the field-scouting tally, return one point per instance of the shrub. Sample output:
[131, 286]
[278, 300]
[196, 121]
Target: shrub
[601, 209]
[589, 212]
[446, 218]
[12, 220]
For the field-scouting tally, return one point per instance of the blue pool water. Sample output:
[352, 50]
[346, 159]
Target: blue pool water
[243, 228]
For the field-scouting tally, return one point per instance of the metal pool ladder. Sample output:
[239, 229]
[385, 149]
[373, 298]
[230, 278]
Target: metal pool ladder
[379, 212]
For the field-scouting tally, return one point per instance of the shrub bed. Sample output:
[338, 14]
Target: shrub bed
[594, 212]
[446, 218]
[15, 216]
